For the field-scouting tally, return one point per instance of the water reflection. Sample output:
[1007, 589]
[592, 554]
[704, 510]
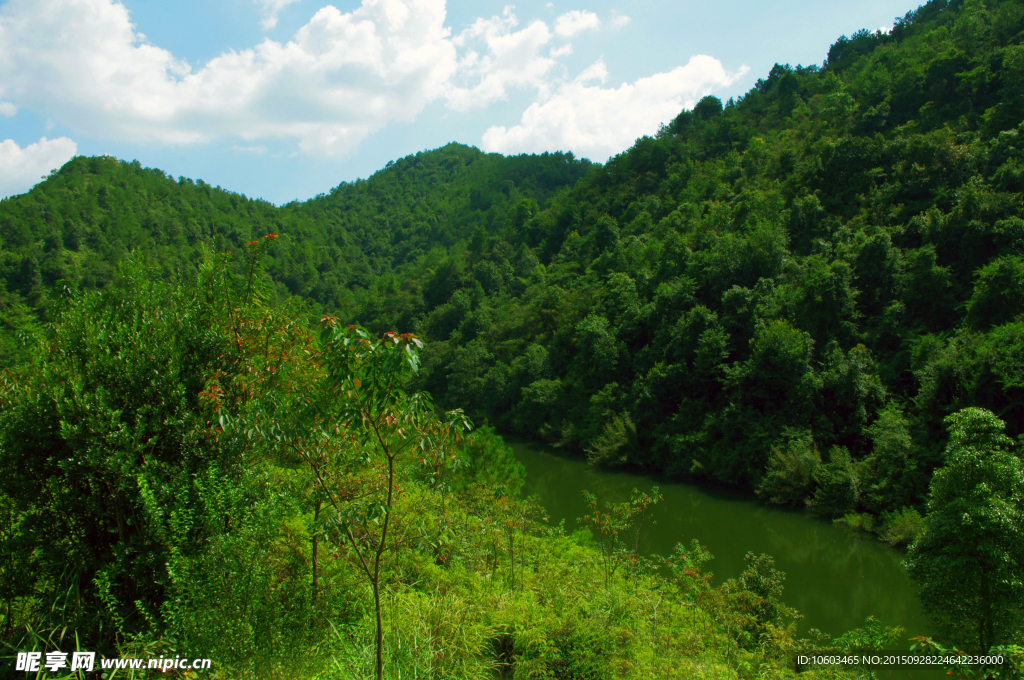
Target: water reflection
[835, 577]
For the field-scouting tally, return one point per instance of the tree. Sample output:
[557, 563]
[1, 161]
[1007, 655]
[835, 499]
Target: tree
[837, 489]
[888, 470]
[792, 471]
[754, 601]
[487, 461]
[762, 580]
[619, 527]
[350, 424]
[968, 562]
[999, 293]
[104, 447]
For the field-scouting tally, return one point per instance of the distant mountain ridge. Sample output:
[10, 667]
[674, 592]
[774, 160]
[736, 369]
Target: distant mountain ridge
[82, 219]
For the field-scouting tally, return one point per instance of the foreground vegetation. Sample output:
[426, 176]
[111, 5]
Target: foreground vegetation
[188, 471]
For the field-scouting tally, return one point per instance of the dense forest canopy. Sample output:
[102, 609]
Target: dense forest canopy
[797, 293]
[829, 264]
[335, 249]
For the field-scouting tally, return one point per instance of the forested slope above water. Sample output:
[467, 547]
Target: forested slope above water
[786, 293]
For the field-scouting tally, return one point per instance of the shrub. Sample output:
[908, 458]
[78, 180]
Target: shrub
[836, 494]
[487, 460]
[859, 521]
[901, 527]
[792, 471]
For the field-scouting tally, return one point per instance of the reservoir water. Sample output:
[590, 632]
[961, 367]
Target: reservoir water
[835, 577]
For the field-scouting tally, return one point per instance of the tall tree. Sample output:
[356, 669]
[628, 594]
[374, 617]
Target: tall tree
[969, 561]
[350, 420]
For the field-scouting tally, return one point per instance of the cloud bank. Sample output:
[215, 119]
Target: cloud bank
[341, 77]
[576, 22]
[496, 57]
[597, 122]
[271, 9]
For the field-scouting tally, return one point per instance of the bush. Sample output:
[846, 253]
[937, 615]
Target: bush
[487, 460]
[792, 471]
[859, 521]
[106, 427]
[836, 494]
[901, 527]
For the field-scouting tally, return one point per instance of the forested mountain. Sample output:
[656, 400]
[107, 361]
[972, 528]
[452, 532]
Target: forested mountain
[786, 293]
[334, 249]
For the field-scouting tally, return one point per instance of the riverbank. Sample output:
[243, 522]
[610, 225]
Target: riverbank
[836, 577]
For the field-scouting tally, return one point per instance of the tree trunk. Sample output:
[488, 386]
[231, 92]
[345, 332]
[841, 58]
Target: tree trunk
[380, 631]
[985, 627]
[380, 553]
[316, 575]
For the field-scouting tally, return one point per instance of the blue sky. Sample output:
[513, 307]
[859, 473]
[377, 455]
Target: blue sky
[285, 99]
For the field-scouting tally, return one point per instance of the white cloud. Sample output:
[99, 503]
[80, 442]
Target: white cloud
[595, 72]
[270, 10]
[575, 22]
[21, 169]
[510, 59]
[341, 76]
[255, 150]
[597, 122]
[620, 20]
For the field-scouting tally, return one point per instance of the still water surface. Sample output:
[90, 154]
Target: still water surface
[835, 577]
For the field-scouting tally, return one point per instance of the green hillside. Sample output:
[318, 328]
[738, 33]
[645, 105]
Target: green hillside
[830, 263]
[335, 249]
[821, 270]
[774, 274]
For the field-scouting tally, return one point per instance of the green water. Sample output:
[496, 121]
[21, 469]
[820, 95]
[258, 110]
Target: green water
[836, 577]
